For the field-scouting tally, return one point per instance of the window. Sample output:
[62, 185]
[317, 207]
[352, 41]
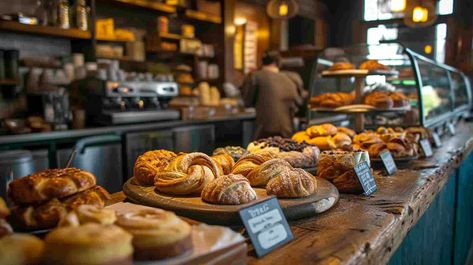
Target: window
[389, 9]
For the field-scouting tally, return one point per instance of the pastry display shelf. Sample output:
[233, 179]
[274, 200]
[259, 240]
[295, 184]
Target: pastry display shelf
[348, 110]
[356, 73]
[45, 30]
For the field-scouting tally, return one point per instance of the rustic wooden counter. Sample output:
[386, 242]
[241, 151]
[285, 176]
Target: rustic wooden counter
[368, 230]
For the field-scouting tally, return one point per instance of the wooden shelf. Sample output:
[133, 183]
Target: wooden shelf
[114, 40]
[173, 36]
[45, 30]
[148, 4]
[203, 16]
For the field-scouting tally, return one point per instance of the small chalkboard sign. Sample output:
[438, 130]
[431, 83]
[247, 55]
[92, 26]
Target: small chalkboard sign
[388, 162]
[451, 128]
[266, 225]
[426, 147]
[366, 178]
[437, 141]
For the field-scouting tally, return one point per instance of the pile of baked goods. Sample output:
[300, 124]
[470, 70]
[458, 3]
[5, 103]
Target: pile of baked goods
[42, 198]
[298, 154]
[386, 99]
[332, 100]
[326, 137]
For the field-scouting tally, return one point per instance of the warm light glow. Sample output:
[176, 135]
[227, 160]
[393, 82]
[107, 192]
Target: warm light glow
[420, 14]
[240, 21]
[428, 49]
[283, 9]
[398, 5]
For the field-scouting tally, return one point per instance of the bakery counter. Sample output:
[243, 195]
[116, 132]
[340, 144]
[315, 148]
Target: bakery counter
[421, 215]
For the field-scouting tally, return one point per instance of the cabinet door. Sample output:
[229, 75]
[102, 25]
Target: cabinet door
[138, 143]
[199, 138]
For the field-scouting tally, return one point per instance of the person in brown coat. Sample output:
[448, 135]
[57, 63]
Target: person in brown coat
[276, 95]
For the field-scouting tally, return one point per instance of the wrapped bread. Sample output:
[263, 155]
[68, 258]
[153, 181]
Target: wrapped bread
[229, 189]
[150, 163]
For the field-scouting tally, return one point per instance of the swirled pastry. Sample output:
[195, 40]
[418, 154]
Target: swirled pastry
[88, 214]
[229, 189]
[157, 234]
[266, 171]
[224, 162]
[292, 183]
[249, 164]
[150, 163]
[49, 184]
[187, 174]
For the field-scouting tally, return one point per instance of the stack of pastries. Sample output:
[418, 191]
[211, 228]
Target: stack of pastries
[332, 100]
[326, 136]
[396, 140]
[298, 154]
[41, 199]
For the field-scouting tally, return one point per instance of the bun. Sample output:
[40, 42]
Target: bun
[301, 137]
[88, 214]
[326, 129]
[150, 163]
[229, 189]
[21, 249]
[157, 234]
[347, 131]
[379, 99]
[89, 244]
[248, 165]
[224, 162]
[340, 140]
[292, 183]
[187, 174]
[341, 66]
[49, 184]
[323, 142]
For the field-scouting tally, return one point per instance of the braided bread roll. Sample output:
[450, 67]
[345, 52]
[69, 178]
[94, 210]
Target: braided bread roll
[248, 165]
[229, 189]
[225, 162]
[88, 214]
[292, 183]
[150, 163]
[49, 184]
[157, 234]
[187, 174]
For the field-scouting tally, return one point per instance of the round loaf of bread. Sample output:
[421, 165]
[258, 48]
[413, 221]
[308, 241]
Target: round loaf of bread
[151, 163]
[229, 189]
[49, 184]
[89, 244]
[157, 234]
[20, 249]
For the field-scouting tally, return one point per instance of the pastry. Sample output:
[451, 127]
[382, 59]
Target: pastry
[323, 142]
[89, 244]
[326, 129]
[341, 140]
[301, 137]
[4, 211]
[375, 149]
[157, 234]
[235, 151]
[187, 174]
[366, 139]
[150, 163]
[88, 214]
[379, 99]
[20, 249]
[306, 159]
[293, 183]
[47, 215]
[229, 189]
[332, 100]
[337, 167]
[341, 66]
[224, 162]
[399, 99]
[373, 65]
[49, 184]
[249, 164]
[347, 131]
[266, 171]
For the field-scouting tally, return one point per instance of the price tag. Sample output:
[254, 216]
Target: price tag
[366, 178]
[388, 162]
[426, 147]
[451, 128]
[437, 141]
[266, 225]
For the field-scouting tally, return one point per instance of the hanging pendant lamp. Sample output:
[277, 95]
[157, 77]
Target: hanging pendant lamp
[420, 13]
[282, 9]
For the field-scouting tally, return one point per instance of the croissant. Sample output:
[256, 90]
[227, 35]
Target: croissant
[229, 189]
[187, 174]
[150, 163]
[248, 164]
[292, 183]
[266, 171]
[225, 162]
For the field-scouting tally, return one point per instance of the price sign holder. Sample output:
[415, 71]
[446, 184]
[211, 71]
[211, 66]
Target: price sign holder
[366, 178]
[426, 147]
[437, 140]
[266, 225]
[388, 162]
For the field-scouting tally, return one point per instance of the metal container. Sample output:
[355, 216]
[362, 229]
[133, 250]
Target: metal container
[14, 164]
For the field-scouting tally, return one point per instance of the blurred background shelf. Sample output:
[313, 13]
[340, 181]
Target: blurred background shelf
[45, 30]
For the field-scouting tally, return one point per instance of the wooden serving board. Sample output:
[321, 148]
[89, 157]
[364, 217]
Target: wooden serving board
[193, 207]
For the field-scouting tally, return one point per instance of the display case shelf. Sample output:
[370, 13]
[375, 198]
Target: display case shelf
[44, 30]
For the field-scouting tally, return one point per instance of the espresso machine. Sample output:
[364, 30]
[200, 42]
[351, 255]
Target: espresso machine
[110, 102]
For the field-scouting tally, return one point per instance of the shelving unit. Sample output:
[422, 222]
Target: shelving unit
[147, 4]
[45, 30]
[202, 16]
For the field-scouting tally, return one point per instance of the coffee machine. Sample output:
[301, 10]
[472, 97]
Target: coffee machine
[110, 102]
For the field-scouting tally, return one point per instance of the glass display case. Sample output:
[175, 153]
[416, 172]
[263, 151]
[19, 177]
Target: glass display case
[386, 85]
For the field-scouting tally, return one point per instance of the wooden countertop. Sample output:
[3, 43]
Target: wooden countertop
[368, 230]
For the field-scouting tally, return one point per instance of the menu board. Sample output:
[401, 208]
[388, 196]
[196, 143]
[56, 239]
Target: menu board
[366, 178]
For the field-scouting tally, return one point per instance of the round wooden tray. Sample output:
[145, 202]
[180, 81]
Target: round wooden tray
[194, 208]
